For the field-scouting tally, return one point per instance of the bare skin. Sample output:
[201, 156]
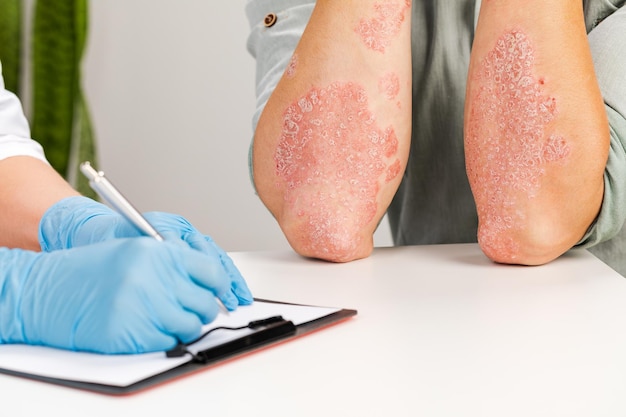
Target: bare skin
[535, 158]
[333, 140]
[28, 188]
[535, 165]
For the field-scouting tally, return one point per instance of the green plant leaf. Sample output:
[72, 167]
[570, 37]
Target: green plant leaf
[61, 121]
[10, 42]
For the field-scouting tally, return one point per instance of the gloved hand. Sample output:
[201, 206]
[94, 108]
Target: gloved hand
[79, 221]
[120, 296]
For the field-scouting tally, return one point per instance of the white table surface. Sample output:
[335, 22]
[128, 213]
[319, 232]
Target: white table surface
[440, 331]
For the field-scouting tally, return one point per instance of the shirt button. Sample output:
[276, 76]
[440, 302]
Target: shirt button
[270, 20]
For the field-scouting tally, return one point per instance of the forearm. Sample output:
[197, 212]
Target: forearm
[536, 134]
[333, 139]
[27, 189]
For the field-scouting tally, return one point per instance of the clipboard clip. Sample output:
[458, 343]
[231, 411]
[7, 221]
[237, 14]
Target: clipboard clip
[266, 331]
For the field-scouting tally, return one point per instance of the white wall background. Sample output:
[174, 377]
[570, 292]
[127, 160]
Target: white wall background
[171, 90]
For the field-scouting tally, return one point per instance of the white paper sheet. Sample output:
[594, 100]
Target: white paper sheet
[124, 370]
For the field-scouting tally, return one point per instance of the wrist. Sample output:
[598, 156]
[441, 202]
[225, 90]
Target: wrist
[60, 226]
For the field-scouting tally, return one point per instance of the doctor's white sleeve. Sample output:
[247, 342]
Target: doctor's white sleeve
[14, 130]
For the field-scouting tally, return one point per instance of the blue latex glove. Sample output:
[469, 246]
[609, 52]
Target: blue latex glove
[79, 221]
[120, 296]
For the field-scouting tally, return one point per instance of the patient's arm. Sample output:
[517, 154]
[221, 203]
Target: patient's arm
[536, 134]
[333, 139]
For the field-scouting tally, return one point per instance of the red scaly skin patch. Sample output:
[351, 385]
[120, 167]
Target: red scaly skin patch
[330, 159]
[290, 71]
[377, 32]
[389, 85]
[508, 147]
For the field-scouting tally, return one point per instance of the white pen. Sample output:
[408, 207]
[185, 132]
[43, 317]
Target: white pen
[111, 195]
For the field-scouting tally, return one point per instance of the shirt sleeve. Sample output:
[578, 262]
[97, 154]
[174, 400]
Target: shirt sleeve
[275, 30]
[609, 55]
[14, 130]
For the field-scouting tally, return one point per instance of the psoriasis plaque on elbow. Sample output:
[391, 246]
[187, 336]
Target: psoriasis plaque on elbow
[508, 145]
[378, 31]
[330, 159]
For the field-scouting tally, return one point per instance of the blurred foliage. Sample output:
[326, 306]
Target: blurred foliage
[60, 116]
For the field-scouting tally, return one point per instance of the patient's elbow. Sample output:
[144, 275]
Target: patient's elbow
[536, 248]
[327, 240]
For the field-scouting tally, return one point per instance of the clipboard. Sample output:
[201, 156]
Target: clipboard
[236, 345]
